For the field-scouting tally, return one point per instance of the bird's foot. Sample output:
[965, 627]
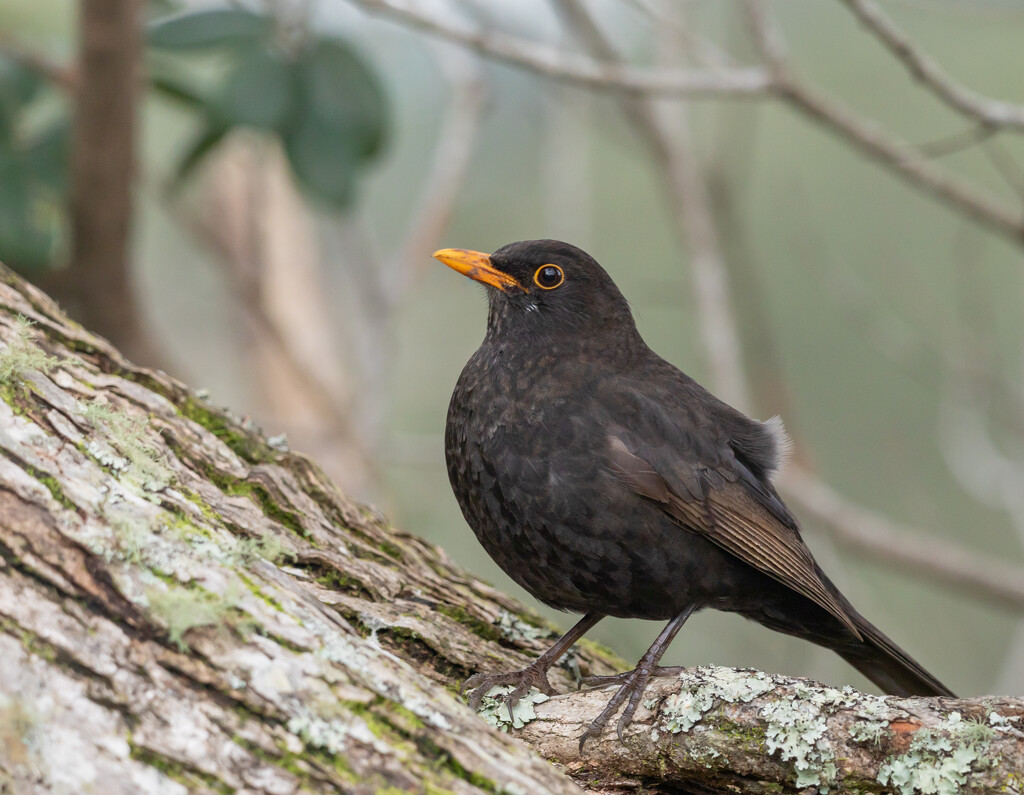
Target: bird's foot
[530, 677]
[631, 687]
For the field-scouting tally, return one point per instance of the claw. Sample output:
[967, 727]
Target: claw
[529, 677]
[632, 685]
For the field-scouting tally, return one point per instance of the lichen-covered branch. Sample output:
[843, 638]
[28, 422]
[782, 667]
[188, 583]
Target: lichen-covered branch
[745, 731]
[186, 608]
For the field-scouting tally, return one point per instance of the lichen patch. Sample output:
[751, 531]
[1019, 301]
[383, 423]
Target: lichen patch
[940, 760]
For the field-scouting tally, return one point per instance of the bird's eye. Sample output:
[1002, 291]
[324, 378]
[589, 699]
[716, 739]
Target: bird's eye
[548, 277]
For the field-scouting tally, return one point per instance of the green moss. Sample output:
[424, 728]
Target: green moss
[248, 446]
[31, 642]
[403, 718]
[413, 648]
[177, 770]
[331, 578]
[604, 653]
[391, 549]
[751, 737]
[181, 526]
[204, 507]
[259, 593]
[449, 764]
[476, 625]
[52, 485]
[244, 488]
[431, 789]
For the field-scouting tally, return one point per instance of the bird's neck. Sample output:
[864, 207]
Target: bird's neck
[522, 340]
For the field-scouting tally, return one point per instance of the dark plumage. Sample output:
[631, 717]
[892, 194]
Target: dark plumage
[606, 481]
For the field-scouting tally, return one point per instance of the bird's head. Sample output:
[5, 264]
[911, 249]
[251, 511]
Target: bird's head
[544, 288]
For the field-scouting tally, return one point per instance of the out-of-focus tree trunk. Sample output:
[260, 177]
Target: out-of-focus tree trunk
[97, 285]
[184, 608]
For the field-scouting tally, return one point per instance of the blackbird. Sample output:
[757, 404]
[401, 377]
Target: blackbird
[607, 482]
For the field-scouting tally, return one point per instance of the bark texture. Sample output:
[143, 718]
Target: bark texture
[187, 607]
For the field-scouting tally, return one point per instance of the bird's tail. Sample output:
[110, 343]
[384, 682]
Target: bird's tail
[887, 665]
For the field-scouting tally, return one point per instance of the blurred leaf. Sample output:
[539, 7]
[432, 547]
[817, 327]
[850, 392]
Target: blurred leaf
[210, 28]
[340, 120]
[259, 91]
[341, 91]
[18, 86]
[30, 218]
[46, 158]
[172, 88]
[323, 159]
[211, 134]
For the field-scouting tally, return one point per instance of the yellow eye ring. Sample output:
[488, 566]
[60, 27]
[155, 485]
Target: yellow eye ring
[548, 277]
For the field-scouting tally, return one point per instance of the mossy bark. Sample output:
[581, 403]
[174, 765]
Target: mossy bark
[186, 608]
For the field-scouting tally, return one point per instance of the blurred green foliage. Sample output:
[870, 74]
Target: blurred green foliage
[33, 166]
[314, 93]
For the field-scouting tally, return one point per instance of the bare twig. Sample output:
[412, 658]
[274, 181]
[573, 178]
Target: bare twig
[898, 156]
[901, 158]
[970, 103]
[891, 543]
[738, 82]
[957, 142]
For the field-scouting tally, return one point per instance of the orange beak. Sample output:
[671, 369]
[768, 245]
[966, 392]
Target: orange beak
[477, 266]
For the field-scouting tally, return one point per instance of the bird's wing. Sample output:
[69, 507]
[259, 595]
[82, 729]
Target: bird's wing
[687, 460]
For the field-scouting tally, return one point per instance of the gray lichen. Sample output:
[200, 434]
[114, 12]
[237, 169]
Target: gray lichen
[135, 459]
[703, 688]
[22, 355]
[334, 735]
[940, 760]
[495, 710]
[515, 629]
[182, 609]
[797, 731]
[868, 731]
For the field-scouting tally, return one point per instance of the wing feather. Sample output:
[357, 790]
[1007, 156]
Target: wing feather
[739, 522]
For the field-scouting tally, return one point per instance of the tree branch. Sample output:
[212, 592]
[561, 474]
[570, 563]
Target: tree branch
[745, 731]
[920, 65]
[881, 539]
[898, 156]
[738, 82]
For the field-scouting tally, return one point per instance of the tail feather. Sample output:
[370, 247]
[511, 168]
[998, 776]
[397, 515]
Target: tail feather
[887, 665]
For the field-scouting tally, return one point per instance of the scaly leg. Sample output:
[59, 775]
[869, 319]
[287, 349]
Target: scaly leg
[534, 675]
[634, 682]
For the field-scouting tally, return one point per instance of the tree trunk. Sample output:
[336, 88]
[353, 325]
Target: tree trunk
[97, 286]
[186, 607]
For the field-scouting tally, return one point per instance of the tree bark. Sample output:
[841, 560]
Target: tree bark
[186, 607]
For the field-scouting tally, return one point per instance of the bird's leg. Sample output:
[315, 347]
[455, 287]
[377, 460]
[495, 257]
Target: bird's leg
[534, 675]
[634, 682]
